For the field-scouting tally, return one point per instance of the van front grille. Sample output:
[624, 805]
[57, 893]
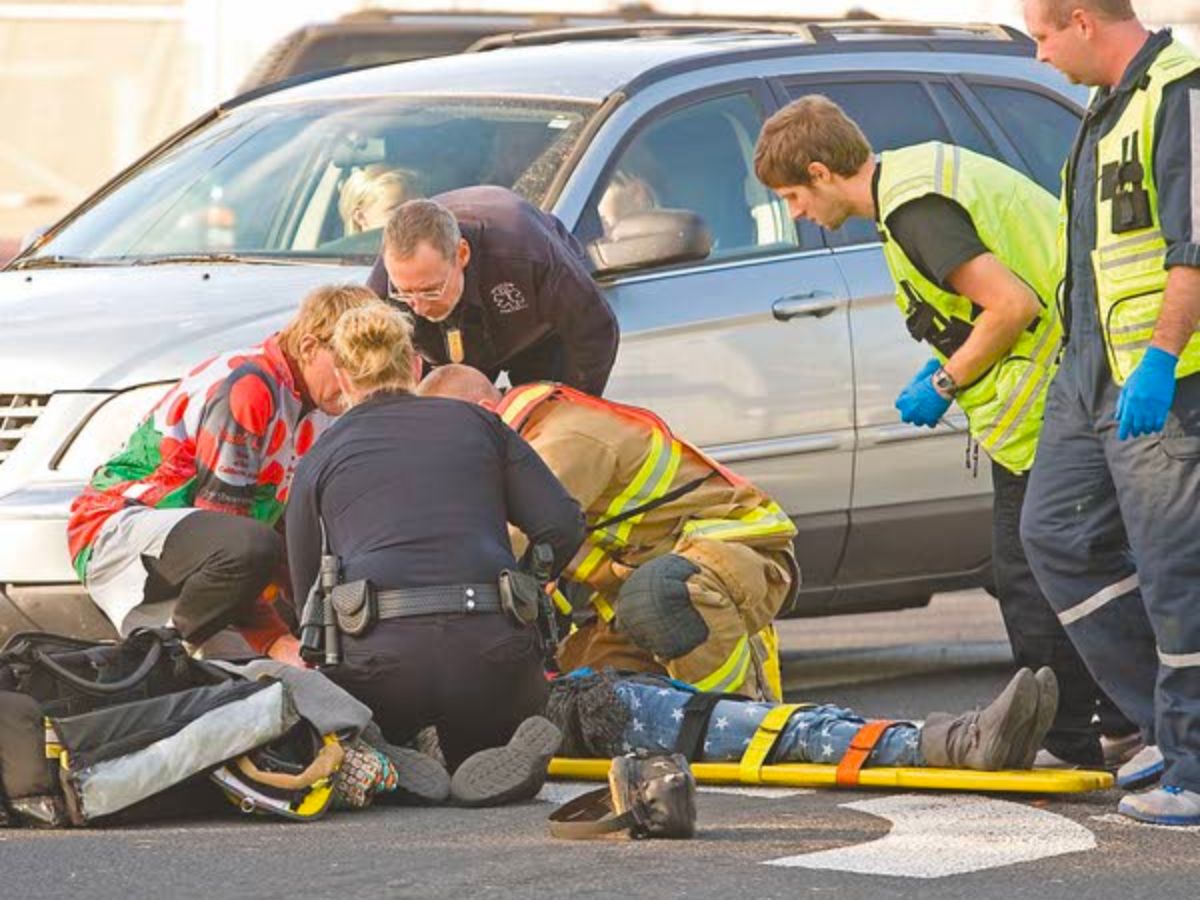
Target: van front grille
[18, 412]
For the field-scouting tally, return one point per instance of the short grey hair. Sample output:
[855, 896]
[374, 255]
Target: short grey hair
[417, 222]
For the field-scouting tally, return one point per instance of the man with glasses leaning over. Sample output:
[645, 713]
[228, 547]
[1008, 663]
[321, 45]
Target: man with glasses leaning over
[497, 284]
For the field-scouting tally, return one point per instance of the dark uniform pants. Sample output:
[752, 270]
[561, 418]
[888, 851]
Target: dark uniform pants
[474, 677]
[1111, 528]
[1037, 637]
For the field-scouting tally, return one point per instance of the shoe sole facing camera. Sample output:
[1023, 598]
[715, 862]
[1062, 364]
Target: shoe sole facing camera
[510, 773]
[1023, 757]
[419, 775]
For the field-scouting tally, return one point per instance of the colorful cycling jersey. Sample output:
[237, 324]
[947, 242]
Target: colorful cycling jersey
[226, 438]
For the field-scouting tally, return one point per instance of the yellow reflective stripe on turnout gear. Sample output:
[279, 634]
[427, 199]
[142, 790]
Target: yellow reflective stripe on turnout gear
[520, 399]
[652, 480]
[764, 740]
[561, 602]
[732, 672]
[603, 607]
[762, 521]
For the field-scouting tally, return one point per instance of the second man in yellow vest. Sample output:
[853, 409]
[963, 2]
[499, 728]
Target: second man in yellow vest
[970, 244]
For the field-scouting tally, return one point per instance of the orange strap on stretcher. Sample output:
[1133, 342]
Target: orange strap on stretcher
[860, 748]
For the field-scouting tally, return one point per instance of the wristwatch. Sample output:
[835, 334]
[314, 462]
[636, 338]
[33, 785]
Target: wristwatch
[944, 383]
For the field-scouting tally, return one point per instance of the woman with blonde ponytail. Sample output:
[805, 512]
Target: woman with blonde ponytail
[415, 495]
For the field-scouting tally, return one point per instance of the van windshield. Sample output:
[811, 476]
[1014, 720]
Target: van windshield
[317, 180]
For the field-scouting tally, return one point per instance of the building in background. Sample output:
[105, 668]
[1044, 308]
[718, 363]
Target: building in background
[87, 86]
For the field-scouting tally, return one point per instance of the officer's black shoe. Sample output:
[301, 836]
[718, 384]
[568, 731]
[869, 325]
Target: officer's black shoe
[510, 773]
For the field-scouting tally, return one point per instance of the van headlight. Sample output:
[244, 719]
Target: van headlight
[107, 429]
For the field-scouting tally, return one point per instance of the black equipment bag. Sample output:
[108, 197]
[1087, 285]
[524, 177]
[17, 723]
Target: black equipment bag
[77, 718]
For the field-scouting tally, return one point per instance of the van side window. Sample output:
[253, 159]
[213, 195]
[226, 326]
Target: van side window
[891, 114]
[698, 157]
[1041, 129]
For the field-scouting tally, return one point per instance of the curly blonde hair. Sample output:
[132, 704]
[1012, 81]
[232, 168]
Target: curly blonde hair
[373, 347]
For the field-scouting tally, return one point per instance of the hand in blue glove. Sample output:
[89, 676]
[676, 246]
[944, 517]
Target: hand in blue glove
[926, 370]
[920, 403]
[1145, 400]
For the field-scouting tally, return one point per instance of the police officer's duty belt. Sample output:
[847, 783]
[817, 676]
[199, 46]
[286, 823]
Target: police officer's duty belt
[453, 598]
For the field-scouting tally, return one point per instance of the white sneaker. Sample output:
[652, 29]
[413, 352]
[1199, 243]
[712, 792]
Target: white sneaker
[1146, 767]
[1163, 806]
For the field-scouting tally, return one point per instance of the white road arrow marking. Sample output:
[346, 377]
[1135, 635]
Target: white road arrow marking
[932, 837]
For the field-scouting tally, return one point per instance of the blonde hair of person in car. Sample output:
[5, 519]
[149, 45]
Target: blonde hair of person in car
[624, 196]
[370, 195]
[373, 353]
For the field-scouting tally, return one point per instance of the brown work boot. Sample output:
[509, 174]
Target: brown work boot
[983, 739]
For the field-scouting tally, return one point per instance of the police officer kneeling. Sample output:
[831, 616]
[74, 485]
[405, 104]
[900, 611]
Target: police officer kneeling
[413, 496]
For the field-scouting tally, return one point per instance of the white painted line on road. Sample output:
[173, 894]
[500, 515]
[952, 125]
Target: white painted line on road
[1118, 819]
[933, 837]
[564, 791]
[764, 793]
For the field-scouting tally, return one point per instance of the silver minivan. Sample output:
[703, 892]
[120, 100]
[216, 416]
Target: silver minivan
[774, 344]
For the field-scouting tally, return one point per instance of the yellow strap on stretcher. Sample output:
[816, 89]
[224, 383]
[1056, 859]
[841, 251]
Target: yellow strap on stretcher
[763, 742]
[823, 775]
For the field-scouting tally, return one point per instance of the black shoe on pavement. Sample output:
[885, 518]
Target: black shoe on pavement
[510, 773]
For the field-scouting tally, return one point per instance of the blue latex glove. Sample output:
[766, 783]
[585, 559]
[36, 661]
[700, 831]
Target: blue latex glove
[1145, 400]
[926, 370]
[920, 403]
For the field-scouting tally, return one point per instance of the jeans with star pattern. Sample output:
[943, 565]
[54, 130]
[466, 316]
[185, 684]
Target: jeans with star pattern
[819, 734]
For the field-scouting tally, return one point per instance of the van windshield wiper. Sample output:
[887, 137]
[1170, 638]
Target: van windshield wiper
[60, 262]
[219, 258]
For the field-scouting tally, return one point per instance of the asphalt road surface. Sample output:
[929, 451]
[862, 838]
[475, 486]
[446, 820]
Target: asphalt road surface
[753, 843]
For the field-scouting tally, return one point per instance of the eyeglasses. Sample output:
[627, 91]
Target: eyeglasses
[429, 295]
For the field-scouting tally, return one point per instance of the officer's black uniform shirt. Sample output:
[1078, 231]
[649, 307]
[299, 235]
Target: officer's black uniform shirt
[418, 491]
[1175, 173]
[526, 286]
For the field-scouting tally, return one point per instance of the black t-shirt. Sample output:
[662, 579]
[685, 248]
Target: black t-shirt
[937, 235]
[418, 492]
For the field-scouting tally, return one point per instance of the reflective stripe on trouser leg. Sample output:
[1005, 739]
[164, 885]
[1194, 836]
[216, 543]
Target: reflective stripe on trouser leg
[1157, 481]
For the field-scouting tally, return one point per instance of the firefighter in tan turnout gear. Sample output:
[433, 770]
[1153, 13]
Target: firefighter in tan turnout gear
[688, 563]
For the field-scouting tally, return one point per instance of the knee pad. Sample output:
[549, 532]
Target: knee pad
[655, 611]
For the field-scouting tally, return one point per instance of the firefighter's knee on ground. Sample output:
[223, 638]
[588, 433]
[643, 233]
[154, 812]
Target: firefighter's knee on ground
[655, 611]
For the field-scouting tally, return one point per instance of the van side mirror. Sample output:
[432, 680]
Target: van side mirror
[657, 237]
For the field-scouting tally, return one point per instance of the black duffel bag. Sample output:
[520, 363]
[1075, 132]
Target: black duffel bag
[77, 719]
[68, 676]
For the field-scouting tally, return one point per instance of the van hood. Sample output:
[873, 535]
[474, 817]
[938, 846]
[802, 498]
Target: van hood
[109, 328]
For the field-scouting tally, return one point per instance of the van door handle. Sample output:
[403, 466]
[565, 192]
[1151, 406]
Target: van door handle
[811, 304]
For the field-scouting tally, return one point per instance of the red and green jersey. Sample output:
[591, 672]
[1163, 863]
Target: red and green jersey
[226, 438]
